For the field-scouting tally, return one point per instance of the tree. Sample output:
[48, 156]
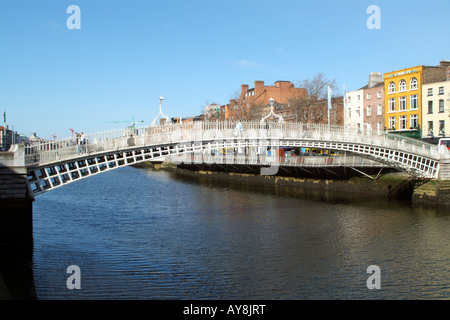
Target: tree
[317, 87]
[311, 108]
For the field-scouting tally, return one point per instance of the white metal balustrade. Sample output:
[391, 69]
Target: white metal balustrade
[66, 161]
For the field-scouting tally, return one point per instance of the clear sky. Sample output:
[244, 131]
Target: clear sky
[128, 53]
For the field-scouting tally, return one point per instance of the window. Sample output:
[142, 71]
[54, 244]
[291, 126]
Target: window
[349, 99]
[430, 106]
[402, 122]
[359, 97]
[430, 128]
[441, 127]
[441, 105]
[402, 106]
[378, 126]
[392, 123]
[441, 90]
[414, 121]
[380, 110]
[392, 104]
[430, 91]
[369, 111]
[369, 96]
[349, 112]
[402, 86]
[413, 84]
[379, 95]
[391, 87]
[414, 102]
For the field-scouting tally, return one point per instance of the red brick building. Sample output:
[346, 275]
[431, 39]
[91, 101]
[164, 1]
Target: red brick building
[254, 102]
[373, 103]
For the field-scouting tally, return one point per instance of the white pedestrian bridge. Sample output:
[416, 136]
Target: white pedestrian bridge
[54, 164]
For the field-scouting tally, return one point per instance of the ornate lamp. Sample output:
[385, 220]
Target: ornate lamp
[272, 113]
[154, 123]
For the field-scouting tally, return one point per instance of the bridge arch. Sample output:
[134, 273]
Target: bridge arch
[54, 165]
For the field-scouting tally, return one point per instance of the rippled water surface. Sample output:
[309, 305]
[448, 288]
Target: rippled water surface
[142, 234]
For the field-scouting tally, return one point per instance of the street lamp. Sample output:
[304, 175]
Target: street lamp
[161, 99]
[271, 103]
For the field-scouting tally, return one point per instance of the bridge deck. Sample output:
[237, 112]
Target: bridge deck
[67, 160]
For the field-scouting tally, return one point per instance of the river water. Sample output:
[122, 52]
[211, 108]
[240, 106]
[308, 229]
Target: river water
[144, 234]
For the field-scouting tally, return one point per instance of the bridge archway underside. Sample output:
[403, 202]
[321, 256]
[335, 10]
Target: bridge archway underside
[51, 175]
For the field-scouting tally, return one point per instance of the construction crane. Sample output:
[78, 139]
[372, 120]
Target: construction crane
[133, 123]
[131, 130]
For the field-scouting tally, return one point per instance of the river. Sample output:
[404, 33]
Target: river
[144, 234]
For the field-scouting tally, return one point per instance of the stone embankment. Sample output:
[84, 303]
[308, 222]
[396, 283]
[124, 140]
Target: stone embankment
[392, 185]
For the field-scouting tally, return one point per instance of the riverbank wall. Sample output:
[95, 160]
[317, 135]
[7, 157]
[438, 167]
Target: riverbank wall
[393, 185]
[16, 228]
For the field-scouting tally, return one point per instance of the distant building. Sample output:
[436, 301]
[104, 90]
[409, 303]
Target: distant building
[243, 107]
[353, 115]
[9, 137]
[436, 109]
[403, 97]
[373, 103]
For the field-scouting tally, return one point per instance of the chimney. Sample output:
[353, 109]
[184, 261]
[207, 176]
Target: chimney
[259, 87]
[244, 89]
[374, 78]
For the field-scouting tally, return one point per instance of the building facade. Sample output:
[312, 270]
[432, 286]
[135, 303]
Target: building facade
[436, 110]
[373, 103]
[403, 97]
[353, 115]
[254, 102]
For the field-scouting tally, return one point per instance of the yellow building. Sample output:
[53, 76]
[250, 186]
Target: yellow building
[403, 97]
[403, 101]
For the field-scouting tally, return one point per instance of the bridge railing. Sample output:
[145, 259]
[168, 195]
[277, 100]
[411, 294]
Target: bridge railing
[266, 160]
[51, 151]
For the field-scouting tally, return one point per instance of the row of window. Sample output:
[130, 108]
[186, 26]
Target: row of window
[368, 96]
[441, 91]
[379, 95]
[441, 106]
[379, 110]
[403, 122]
[413, 104]
[413, 85]
[441, 128]
[413, 123]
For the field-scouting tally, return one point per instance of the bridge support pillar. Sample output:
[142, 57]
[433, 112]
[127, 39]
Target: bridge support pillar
[444, 169]
[16, 225]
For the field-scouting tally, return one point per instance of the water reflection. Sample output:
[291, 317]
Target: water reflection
[140, 234]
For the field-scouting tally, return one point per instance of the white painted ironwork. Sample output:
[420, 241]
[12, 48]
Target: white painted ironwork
[272, 113]
[55, 163]
[160, 114]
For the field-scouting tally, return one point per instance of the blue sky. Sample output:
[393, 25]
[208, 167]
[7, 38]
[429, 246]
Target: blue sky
[128, 53]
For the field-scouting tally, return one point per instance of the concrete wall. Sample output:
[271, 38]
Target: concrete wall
[16, 225]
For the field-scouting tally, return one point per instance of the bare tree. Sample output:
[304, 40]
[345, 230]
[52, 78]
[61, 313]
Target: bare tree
[309, 108]
[209, 110]
[317, 87]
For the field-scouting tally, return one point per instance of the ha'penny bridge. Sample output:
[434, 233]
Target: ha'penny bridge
[259, 147]
[50, 165]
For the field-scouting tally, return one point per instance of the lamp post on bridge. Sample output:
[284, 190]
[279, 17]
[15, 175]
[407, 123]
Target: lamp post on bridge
[168, 121]
[271, 103]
